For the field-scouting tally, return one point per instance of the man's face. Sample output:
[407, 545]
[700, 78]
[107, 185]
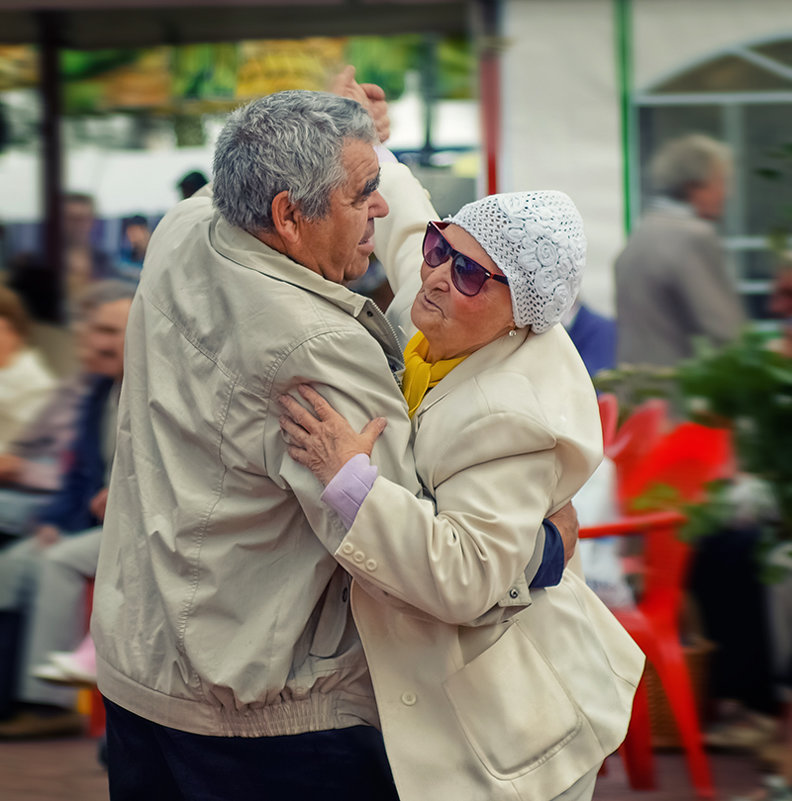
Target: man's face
[339, 245]
[104, 337]
[709, 198]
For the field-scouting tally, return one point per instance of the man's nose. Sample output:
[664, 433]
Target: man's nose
[377, 206]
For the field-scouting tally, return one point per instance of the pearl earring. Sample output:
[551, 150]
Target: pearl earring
[513, 332]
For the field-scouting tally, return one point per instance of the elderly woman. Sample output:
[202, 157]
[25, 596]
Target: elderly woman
[528, 699]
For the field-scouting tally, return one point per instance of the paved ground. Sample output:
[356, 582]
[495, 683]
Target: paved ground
[67, 770]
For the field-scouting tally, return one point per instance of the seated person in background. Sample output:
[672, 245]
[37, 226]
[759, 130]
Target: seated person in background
[66, 533]
[32, 467]
[25, 381]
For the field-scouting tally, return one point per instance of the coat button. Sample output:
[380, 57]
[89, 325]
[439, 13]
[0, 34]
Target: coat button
[347, 548]
[514, 593]
[371, 565]
[409, 699]
[358, 557]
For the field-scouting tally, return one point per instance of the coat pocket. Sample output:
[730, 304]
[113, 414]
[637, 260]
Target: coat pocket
[512, 707]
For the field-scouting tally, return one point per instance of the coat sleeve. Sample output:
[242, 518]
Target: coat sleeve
[349, 369]
[456, 562]
[707, 291]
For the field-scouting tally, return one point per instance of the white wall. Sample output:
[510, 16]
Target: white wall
[561, 126]
[672, 34]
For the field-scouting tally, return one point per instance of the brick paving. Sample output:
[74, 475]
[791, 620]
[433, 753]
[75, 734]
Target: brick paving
[68, 770]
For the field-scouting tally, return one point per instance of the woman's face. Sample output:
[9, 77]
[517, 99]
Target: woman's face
[455, 324]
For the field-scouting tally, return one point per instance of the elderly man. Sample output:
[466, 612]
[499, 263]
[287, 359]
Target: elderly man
[226, 648]
[671, 279]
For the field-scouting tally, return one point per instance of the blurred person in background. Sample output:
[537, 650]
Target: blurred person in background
[781, 306]
[190, 183]
[33, 465]
[778, 755]
[66, 530]
[672, 284]
[25, 381]
[52, 298]
[136, 235]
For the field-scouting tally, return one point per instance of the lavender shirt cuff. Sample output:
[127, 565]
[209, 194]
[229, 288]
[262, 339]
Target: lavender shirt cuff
[348, 488]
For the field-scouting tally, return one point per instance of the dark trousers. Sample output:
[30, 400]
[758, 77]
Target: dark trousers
[725, 581]
[149, 762]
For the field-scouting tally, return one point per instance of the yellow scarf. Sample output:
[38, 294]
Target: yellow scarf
[420, 375]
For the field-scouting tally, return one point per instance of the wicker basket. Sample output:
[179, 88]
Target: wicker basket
[661, 720]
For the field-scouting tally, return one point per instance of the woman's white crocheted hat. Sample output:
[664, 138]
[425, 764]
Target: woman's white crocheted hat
[537, 240]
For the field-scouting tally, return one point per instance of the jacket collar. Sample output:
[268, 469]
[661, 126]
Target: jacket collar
[479, 361]
[243, 248]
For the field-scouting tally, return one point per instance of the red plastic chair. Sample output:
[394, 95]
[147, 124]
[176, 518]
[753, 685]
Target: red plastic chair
[609, 417]
[96, 719]
[636, 437]
[686, 459]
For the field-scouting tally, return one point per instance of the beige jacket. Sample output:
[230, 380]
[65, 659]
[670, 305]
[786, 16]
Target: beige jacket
[217, 609]
[536, 694]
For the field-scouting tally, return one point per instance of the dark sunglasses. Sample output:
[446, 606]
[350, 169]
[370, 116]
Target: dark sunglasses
[468, 276]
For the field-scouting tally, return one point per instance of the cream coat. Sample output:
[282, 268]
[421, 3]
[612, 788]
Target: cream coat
[525, 703]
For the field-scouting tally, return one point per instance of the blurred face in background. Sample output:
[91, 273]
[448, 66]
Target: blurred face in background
[709, 198]
[138, 237]
[10, 342]
[102, 342]
[78, 222]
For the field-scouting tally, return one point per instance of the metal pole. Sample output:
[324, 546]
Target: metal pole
[490, 86]
[51, 168]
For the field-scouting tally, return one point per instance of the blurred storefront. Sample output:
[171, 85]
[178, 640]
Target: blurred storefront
[129, 98]
[570, 94]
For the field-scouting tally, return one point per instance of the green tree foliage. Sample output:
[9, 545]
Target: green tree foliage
[750, 386]
[385, 60]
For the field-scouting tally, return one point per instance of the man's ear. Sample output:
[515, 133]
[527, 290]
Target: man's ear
[286, 218]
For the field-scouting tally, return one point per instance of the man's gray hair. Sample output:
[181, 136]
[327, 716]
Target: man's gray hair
[685, 162]
[286, 141]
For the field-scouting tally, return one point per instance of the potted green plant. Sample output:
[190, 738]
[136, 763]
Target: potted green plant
[747, 387]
